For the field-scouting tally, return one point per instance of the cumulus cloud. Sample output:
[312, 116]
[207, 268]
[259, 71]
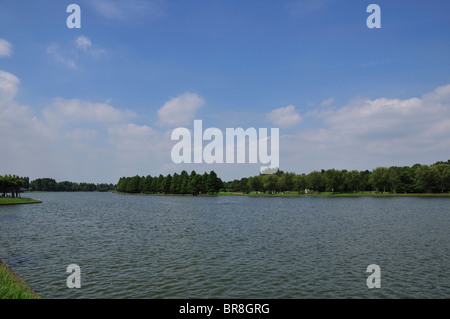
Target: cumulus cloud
[369, 133]
[83, 42]
[21, 133]
[285, 116]
[180, 110]
[134, 143]
[5, 48]
[45, 144]
[9, 85]
[327, 102]
[74, 110]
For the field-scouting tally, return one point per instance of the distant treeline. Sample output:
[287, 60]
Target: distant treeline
[183, 183]
[50, 185]
[418, 178]
[415, 179]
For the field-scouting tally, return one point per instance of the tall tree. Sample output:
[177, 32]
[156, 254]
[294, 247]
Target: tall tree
[426, 178]
[315, 181]
[352, 181]
[133, 185]
[380, 179]
[147, 187]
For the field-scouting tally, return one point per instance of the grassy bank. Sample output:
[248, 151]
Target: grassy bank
[18, 200]
[12, 287]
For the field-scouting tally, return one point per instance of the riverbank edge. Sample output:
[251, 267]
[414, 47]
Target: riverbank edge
[443, 195]
[28, 202]
[348, 195]
[19, 281]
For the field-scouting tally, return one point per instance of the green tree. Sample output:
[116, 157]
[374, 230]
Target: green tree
[202, 183]
[427, 178]
[160, 184]
[184, 188]
[352, 181]
[147, 187]
[286, 182]
[379, 179]
[300, 183]
[166, 184]
[270, 183]
[443, 176]
[315, 181]
[394, 179]
[255, 183]
[212, 183]
[175, 185]
[334, 180]
[155, 185]
[194, 184]
[406, 176]
[133, 185]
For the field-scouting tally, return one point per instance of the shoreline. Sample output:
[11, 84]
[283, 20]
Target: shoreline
[324, 194]
[17, 283]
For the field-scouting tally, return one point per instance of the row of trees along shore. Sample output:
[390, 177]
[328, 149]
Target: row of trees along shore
[183, 183]
[13, 185]
[51, 185]
[418, 178]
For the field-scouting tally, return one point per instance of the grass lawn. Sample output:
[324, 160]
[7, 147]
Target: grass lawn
[18, 200]
[12, 287]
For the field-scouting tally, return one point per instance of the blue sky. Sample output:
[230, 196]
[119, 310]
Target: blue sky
[100, 102]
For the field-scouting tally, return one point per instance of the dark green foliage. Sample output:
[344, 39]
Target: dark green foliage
[11, 184]
[415, 179]
[50, 185]
[182, 183]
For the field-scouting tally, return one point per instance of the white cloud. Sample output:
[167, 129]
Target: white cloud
[5, 48]
[9, 85]
[68, 54]
[139, 144]
[69, 111]
[44, 145]
[363, 134]
[368, 133]
[180, 110]
[285, 116]
[327, 102]
[21, 133]
[79, 134]
[83, 42]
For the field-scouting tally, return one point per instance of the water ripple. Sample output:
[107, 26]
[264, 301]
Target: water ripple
[188, 247]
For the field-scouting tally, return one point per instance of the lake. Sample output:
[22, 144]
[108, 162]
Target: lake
[229, 246]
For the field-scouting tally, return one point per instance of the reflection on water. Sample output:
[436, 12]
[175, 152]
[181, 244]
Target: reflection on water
[228, 247]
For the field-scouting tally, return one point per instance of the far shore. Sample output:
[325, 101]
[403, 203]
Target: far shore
[296, 194]
[18, 201]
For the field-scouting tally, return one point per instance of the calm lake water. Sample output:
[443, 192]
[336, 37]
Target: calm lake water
[228, 247]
